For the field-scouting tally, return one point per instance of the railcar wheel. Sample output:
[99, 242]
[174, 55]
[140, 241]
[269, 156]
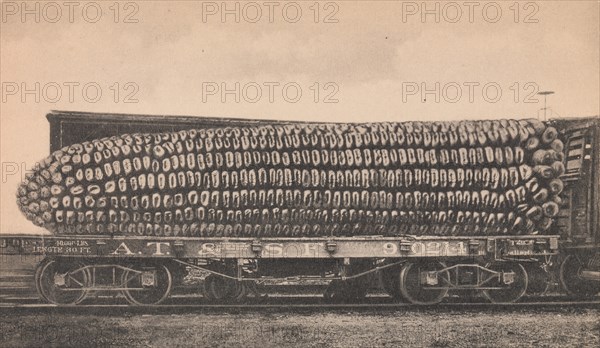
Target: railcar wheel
[206, 293]
[147, 284]
[511, 292]
[217, 288]
[62, 282]
[411, 287]
[572, 282]
[390, 281]
[37, 279]
[251, 288]
[241, 291]
[539, 280]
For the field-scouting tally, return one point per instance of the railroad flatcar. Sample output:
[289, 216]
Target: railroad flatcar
[135, 201]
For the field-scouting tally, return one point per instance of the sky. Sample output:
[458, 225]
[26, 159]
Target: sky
[357, 61]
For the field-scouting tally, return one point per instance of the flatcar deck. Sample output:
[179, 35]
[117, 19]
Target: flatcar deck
[319, 248]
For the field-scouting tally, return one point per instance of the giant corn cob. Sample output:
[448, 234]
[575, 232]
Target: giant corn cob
[419, 178]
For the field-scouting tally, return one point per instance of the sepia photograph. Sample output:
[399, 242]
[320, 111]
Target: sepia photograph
[308, 173]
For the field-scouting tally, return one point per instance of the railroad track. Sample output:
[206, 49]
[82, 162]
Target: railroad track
[310, 303]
